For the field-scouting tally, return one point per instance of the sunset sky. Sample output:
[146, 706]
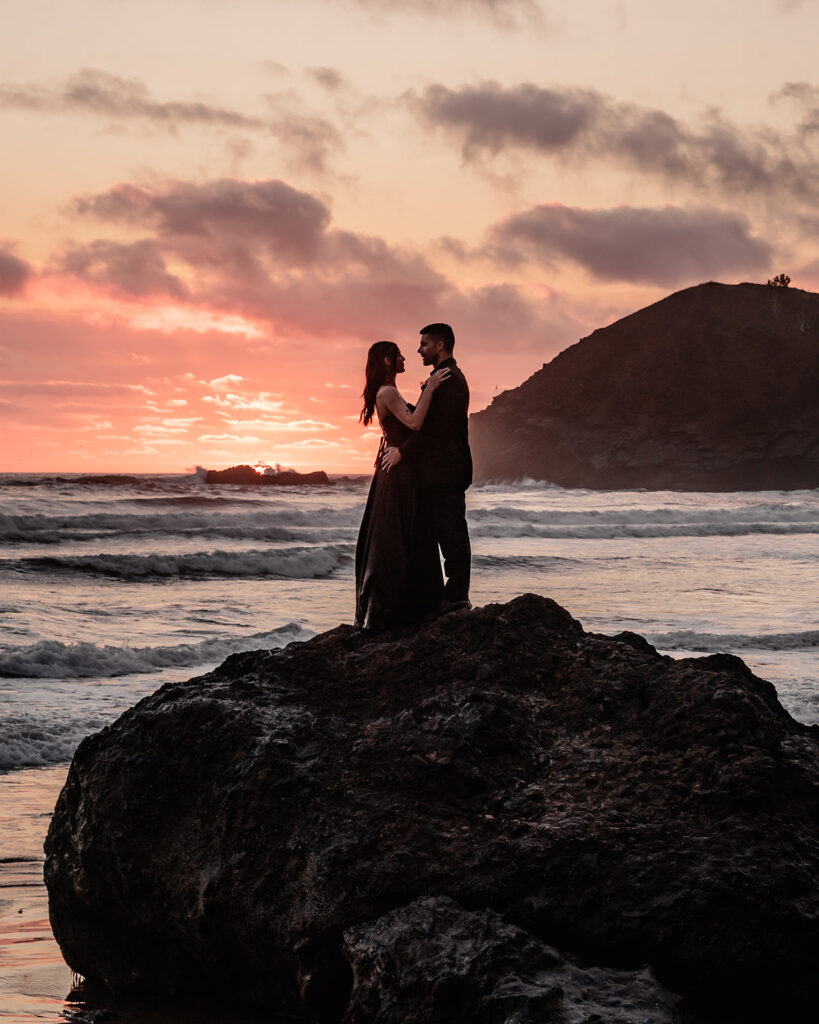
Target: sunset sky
[210, 208]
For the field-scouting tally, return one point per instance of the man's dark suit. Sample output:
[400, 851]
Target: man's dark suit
[440, 454]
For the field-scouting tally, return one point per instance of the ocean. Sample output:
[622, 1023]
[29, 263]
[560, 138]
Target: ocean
[113, 586]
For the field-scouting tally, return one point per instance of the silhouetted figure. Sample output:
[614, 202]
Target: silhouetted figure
[397, 568]
[439, 453]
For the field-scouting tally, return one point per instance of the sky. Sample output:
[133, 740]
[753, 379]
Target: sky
[209, 209]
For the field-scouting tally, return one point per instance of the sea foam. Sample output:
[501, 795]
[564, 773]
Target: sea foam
[690, 640]
[52, 659]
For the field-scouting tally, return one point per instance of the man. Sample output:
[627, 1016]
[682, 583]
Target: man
[440, 451]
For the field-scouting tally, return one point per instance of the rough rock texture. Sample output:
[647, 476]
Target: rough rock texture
[608, 801]
[431, 961]
[713, 388]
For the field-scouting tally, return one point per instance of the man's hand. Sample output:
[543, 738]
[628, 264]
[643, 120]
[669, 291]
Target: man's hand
[390, 459]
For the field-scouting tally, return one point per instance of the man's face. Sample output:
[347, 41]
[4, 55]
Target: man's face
[429, 350]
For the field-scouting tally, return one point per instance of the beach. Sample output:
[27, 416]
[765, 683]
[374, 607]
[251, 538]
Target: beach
[110, 591]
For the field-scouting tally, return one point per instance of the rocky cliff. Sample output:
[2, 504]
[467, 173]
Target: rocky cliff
[408, 827]
[713, 388]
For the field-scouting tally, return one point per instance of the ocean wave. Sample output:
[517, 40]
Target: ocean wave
[34, 740]
[525, 483]
[282, 521]
[271, 523]
[291, 563]
[51, 659]
[690, 640]
[617, 531]
[806, 513]
[109, 480]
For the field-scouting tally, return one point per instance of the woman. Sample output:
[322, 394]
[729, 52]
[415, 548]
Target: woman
[397, 568]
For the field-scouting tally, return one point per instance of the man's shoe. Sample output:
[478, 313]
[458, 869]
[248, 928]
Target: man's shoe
[454, 606]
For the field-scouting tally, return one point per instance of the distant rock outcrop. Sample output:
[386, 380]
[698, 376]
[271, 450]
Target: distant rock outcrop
[248, 475]
[712, 388]
[406, 827]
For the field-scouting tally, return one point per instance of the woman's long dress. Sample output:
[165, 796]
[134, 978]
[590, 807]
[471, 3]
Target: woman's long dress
[397, 568]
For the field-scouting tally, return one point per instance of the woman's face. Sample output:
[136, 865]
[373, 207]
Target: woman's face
[399, 362]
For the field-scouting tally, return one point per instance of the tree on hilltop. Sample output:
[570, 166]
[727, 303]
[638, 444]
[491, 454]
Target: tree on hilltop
[780, 281]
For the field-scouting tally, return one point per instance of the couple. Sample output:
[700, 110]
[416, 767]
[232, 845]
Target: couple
[417, 501]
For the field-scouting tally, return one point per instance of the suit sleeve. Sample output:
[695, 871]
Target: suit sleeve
[449, 407]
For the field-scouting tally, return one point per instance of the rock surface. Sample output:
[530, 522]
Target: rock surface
[251, 831]
[432, 961]
[248, 475]
[713, 388]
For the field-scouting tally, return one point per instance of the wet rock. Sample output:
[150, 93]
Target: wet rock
[281, 478]
[434, 963]
[605, 800]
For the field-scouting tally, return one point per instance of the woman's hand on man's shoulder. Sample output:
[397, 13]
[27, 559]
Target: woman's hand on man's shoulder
[437, 377]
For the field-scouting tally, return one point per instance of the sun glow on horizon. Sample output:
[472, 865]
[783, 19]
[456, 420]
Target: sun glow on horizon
[228, 228]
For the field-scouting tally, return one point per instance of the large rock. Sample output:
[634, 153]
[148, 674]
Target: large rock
[245, 831]
[432, 961]
[713, 388]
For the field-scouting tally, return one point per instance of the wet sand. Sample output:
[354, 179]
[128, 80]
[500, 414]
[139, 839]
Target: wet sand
[34, 979]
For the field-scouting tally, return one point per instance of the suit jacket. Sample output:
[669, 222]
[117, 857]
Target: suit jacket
[439, 451]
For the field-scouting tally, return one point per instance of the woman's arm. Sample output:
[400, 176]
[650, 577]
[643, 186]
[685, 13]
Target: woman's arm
[389, 399]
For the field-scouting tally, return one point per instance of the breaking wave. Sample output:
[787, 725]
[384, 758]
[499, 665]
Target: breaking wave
[291, 563]
[51, 659]
[689, 640]
[33, 740]
[50, 735]
[615, 531]
[268, 524]
[611, 524]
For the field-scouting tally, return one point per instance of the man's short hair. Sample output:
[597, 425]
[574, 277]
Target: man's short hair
[440, 332]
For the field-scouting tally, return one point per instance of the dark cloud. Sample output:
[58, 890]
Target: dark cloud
[136, 268]
[570, 123]
[220, 217]
[268, 252]
[97, 92]
[489, 117]
[328, 78]
[262, 248]
[662, 246]
[14, 273]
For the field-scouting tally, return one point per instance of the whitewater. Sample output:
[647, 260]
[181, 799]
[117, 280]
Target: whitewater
[108, 590]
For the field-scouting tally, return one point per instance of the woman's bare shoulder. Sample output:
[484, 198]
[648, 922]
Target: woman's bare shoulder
[386, 395]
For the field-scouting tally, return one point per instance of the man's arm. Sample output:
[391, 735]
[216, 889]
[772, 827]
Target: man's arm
[450, 408]
[411, 448]
[395, 454]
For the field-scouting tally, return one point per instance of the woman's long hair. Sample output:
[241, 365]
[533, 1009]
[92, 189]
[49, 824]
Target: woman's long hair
[375, 375]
